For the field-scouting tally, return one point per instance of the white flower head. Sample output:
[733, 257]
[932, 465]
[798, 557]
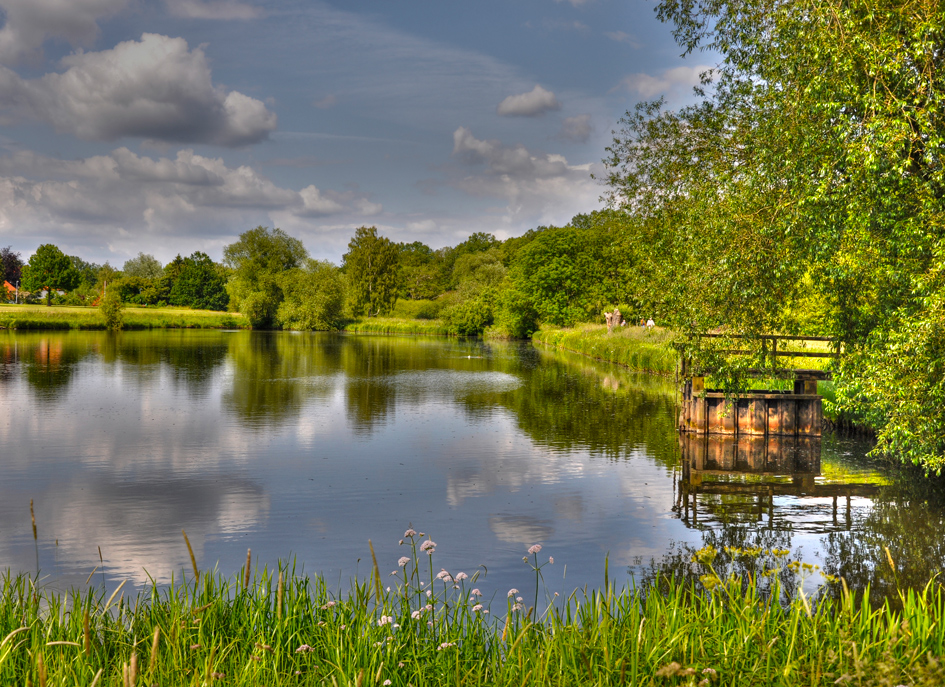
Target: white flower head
[512, 592]
[402, 561]
[533, 549]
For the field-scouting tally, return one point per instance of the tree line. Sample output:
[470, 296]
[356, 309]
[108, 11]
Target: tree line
[553, 275]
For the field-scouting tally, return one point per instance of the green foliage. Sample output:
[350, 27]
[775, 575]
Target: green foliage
[112, 310]
[810, 176]
[314, 297]
[420, 271]
[258, 259]
[144, 265]
[371, 265]
[569, 274]
[49, 268]
[471, 316]
[268, 627]
[199, 283]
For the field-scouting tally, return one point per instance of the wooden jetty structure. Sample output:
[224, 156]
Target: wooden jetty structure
[756, 413]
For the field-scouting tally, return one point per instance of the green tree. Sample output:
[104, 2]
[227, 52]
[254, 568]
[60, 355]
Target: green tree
[50, 269]
[813, 162]
[112, 310]
[371, 265]
[314, 297]
[258, 259]
[200, 283]
[144, 265]
[420, 271]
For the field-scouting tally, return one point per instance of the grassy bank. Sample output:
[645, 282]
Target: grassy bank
[40, 317]
[638, 348]
[274, 627]
[396, 325]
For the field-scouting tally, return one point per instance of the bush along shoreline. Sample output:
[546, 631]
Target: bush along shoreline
[419, 626]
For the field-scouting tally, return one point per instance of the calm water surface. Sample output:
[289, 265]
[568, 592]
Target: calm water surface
[308, 445]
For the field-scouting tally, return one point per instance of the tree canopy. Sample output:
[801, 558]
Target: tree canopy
[371, 265]
[48, 269]
[810, 175]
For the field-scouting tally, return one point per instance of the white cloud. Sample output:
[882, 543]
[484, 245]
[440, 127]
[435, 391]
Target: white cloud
[576, 3]
[155, 88]
[623, 37]
[28, 23]
[577, 129]
[212, 9]
[539, 185]
[671, 82]
[123, 199]
[532, 104]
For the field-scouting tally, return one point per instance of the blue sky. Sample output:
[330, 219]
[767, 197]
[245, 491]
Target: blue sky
[168, 126]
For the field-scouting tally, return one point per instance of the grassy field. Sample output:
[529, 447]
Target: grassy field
[639, 348]
[274, 627]
[40, 317]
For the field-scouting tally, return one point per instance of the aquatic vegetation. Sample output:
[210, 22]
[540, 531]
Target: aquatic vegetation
[278, 626]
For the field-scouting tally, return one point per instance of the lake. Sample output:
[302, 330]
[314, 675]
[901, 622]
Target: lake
[308, 445]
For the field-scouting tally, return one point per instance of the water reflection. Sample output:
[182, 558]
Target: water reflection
[311, 444]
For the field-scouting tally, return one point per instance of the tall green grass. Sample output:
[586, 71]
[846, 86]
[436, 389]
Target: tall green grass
[38, 317]
[639, 348]
[396, 325]
[278, 627]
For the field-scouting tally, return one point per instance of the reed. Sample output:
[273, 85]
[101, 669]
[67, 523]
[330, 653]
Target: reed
[396, 325]
[718, 630]
[39, 317]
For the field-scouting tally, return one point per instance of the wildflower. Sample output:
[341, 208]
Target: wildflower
[194, 647]
[343, 627]
[386, 683]
[410, 533]
[321, 623]
[429, 593]
[378, 644]
[428, 607]
[388, 588]
[519, 599]
[329, 605]
[218, 676]
[264, 647]
[400, 665]
[477, 608]
[512, 592]
[401, 542]
[402, 561]
[551, 559]
[429, 546]
[445, 645]
[430, 623]
[517, 607]
[476, 592]
[298, 672]
[304, 649]
[255, 658]
[423, 534]
[416, 615]
[395, 626]
[385, 619]
[443, 575]
[392, 573]
[533, 549]
[461, 576]
[704, 683]
[709, 671]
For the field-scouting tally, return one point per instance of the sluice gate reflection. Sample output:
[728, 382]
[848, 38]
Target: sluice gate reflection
[726, 477]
